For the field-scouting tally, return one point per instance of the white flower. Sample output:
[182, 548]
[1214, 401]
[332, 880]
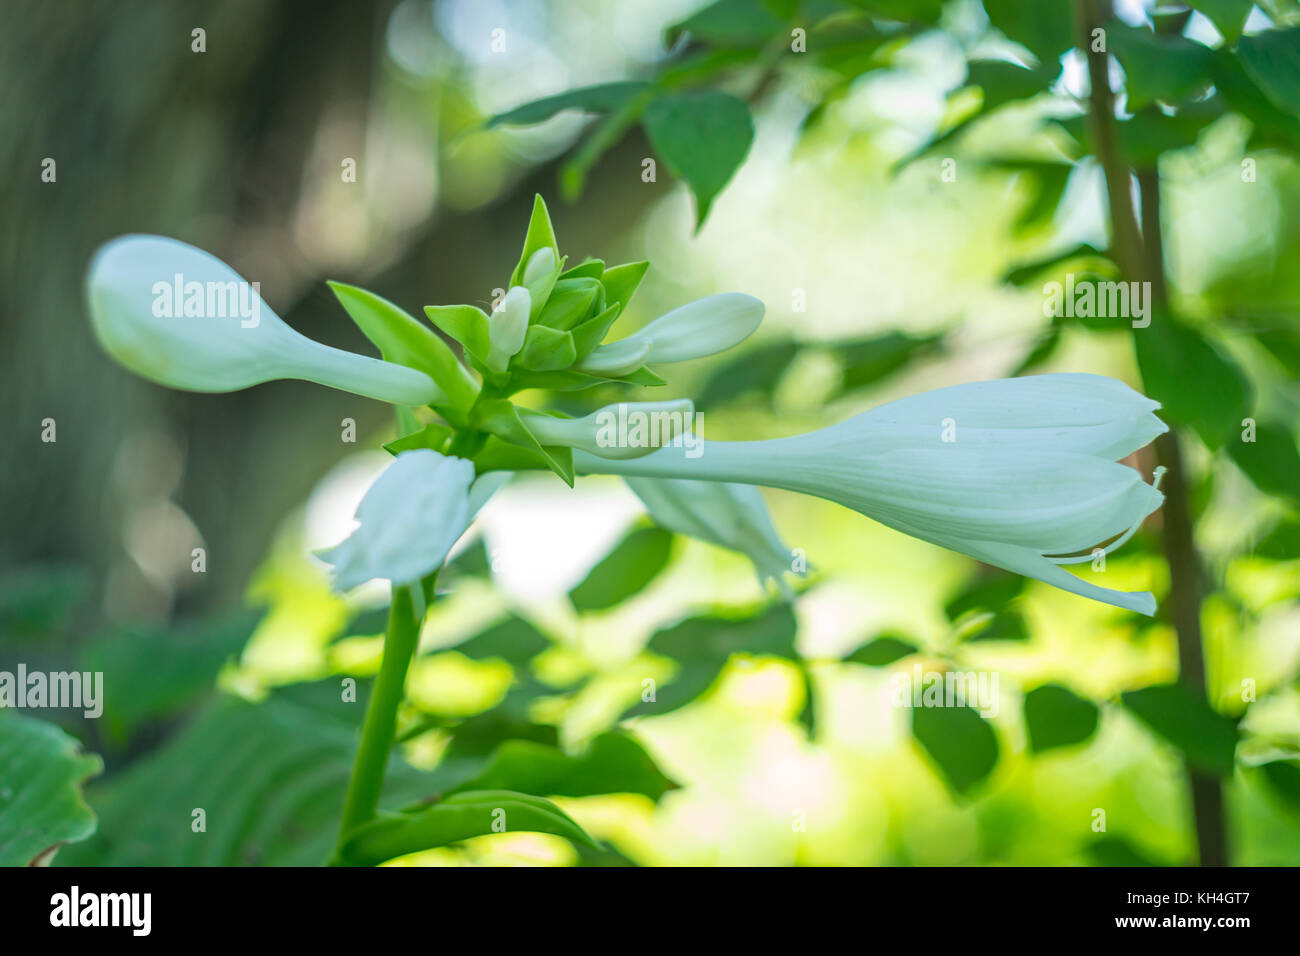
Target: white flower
[703, 327]
[181, 317]
[723, 513]
[1020, 473]
[410, 518]
[507, 327]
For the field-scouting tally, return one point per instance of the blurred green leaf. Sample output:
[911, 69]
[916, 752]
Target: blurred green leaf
[882, 651]
[729, 23]
[1007, 624]
[1272, 59]
[1228, 16]
[625, 571]
[1056, 717]
[1185, 719]
[1045, 29]
[701, 646]
[1193, 379]
[455, 818]
[40, 600]
[1166, 68]
[269, 777]
[986, 591]
[514, 639]
[1283, 779]
[867, 361]
[1282, 543]
[1116, 851]
[601, 98]
[1002, 81]
[1271, 461]
[612, 763]
[702, 137]
[758, 369]
[1026, 273]
[959, 741]
[151, 673]
[41, 804]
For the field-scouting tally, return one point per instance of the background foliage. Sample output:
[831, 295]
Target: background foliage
[815, 180]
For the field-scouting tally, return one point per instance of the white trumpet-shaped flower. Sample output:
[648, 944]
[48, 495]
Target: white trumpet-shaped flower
[507, 327]
[727, 514]
[703, 327]
[409, 519]
[624, 430]
[181, 317]
[1019, 473]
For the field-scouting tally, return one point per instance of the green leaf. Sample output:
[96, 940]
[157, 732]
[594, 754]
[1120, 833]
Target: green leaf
[40, 600]
[612, 763]
[758, 369]
[547, 350]
[1282, 543]
[572, 300]
[1056, 717]
[1272, 59]
[1271, 461]
[1197, 384]
[1166, 68]
[601, 98]
[1228, 16]
[882, 651]
[41, 805]
[1185, 719]
[592, 332]
[621, 282]
[455, 818]
[514, 639]
[867, 361]
[702, 137]
[1007, 624]
[959, 741]
[404, 340]
[467, 324]
[702, 646]
[1045, 29]
[729, 23]
[1002, 82]
[165, 668]
[1283, 779]
[541, 235]
[269, 777]
[432, 435]
[586, 269]
[502, 419]
[991, 591]
[625, 571]
[1116, 851]
[1273, 125]
[1026, 273]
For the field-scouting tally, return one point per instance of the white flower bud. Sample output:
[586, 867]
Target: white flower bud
[703, 327]
[624, 430]
[539, 264]
[507, 326]
[178, 316]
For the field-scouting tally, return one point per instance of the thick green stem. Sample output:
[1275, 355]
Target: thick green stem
[1139, 254]
[380, 725]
